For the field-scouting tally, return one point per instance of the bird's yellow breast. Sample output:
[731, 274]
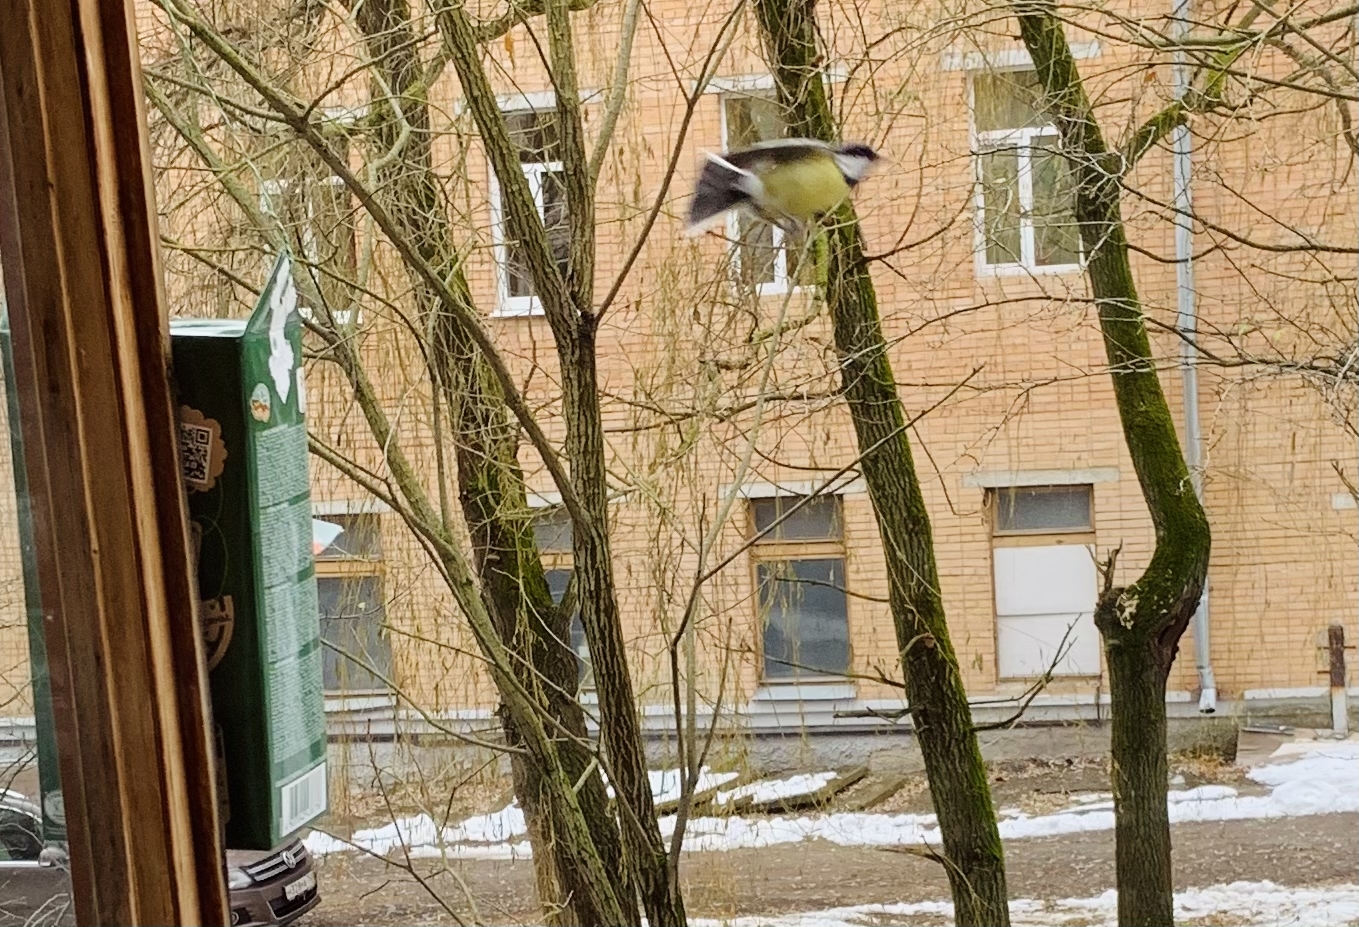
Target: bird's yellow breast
[806, 188]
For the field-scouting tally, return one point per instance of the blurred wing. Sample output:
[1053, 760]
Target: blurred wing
[721, 186]
[778, 153]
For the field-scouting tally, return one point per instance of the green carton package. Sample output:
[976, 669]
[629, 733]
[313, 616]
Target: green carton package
[243, 445]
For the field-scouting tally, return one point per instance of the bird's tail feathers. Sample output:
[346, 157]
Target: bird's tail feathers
[721, 186]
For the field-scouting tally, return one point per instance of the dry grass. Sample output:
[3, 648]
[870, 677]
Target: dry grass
[449, 793]
[911, 797]
[1198, 767]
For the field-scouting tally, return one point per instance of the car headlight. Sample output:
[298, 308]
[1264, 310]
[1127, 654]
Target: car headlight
[237, 878]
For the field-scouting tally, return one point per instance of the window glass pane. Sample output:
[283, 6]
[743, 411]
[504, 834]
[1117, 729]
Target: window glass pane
[806, 625]
[554, 217]
[1041, 509]
[552, 530]
[518, 282]
[752, 118]
[360, 540]
[1000, 205]
[1007, 100]
[818, 520]
[557, 581]
[758, 256]
[586, 673]
[352, 613]
[1055, 235]
[534, 134]
[20, 835]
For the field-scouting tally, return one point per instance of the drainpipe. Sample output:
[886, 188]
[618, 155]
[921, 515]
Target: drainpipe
[1188, 326]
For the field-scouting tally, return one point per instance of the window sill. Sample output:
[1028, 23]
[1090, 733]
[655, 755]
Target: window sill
[363, 700]
[990, 271]
[767, 290]
[518, 308]
[825, 689]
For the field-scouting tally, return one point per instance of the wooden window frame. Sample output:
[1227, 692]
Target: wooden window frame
[1040, 537]
[356, 567]
[782, 551]
[1048, 537]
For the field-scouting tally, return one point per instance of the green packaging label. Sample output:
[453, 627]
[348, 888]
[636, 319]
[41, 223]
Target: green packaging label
[243, 442]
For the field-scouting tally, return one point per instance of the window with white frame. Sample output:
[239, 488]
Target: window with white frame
[766, 259]
[1043, 555]
[800, 588]
[316, 212]
[534, 135]
[554, 535]
[353, 608]
[1025, 220]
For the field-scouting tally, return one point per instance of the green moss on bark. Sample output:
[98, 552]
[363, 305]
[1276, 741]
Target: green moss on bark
[1142, 623]
[942, 719]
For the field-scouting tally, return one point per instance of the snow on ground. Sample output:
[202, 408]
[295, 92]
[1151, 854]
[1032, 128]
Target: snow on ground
[1246, 904]
[1319, 780]
[665, 784]
[774, 789]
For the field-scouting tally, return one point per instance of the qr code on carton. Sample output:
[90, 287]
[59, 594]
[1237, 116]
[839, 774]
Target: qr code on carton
[195, 451]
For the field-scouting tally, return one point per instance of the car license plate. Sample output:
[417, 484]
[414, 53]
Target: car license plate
[294, 890]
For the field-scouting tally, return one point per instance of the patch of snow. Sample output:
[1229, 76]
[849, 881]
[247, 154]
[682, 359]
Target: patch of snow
[489, 828]
[773, 789]
[666, 784]
[1320, 781]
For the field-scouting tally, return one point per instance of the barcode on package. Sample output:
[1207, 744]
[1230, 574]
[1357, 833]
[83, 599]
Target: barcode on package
[303, 799]
[195, 443]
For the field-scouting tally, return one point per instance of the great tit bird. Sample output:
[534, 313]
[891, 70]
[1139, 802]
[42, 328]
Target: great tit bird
[788, 182]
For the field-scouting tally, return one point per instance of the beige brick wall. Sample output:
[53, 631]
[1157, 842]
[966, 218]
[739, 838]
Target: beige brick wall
[1036, 396]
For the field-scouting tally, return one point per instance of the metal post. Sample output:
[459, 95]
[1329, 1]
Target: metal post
[1187, 323]
[1340, 714]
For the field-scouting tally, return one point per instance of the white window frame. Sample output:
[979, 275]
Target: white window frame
[507, 306]
[1021, 140]
[275, 189]
[781, 284]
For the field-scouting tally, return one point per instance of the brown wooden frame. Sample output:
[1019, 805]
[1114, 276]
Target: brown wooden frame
[79, 244]
[768, 550]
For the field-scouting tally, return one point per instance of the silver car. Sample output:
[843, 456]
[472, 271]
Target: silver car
[270, 888]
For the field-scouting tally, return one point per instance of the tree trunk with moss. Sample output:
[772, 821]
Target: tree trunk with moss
[1142, 623]
[942, 719]
[491, 490]
[564, 286]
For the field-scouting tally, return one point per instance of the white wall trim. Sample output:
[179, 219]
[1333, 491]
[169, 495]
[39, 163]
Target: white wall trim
[549, 498]
[521, 100]
[844, 485]
[368, 506]
[344, 115]
[955, 59]
[764, 83]
[828, 690]
[1252, 695]
[1004, 479]
[338, 702]
[1342, 501]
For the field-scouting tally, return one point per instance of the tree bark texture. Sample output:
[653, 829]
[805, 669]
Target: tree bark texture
[566, 295]
[420, 235]
[1142, 623]
[492, 493]
[940, 712]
